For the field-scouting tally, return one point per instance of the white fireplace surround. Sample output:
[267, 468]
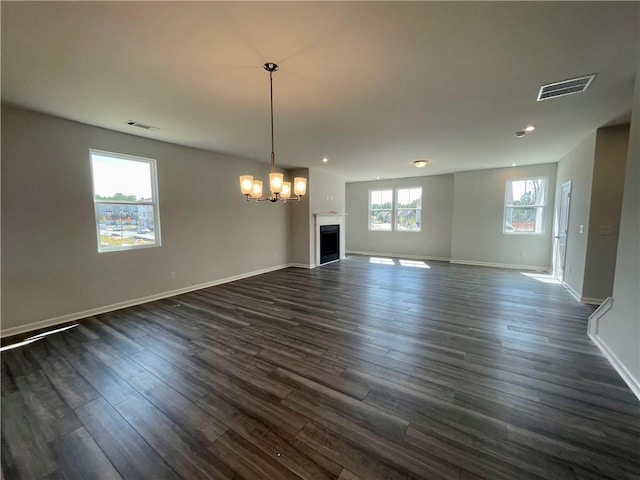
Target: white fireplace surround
[329, 219]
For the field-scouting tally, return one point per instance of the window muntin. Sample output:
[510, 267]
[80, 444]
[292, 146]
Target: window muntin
[380, 210]
[524, 205]
[395, 210]
[126, 201]
[409, 209]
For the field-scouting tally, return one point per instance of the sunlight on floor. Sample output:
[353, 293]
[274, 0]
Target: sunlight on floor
[35, 338]
[414, 263]
[404, 263]
[382, 261]
[542, 277]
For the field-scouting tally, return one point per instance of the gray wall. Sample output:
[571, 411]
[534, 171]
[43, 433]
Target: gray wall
[577, 166]
[50, 263]
[620, 327]
[299, 226]
[478, 213]
[434, 239]
[610, 159]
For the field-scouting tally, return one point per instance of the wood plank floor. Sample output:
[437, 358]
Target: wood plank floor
[355, 370]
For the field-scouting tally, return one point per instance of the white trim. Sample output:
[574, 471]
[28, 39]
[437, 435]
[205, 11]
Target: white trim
[592, 301]
[399, 255]
[572, 292]
[300, 265]
[536, 268]
[633, 384]
[594, 319]
[130, 303]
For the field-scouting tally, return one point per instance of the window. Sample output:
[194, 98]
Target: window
[524, 206]
[380, 209]
[125, 196]
[408, 209]
[402, 213]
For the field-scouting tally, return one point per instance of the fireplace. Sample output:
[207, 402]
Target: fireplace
[329, 243]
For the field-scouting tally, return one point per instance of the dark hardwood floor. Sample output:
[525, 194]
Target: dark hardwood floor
[355, 370]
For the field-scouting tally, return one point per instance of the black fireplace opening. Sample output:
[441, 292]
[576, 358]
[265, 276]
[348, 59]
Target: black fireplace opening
[329, 243]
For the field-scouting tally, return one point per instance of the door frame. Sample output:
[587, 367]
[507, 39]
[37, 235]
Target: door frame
[556, 255]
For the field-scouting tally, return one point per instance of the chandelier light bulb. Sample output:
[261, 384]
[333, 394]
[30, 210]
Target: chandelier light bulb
[256, 191]
[246, 184]
[299, 186]
[275, 182]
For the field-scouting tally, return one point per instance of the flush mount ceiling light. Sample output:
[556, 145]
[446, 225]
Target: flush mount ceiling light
[529, 128]
[421, 163]
[325, 160]
[280, 190]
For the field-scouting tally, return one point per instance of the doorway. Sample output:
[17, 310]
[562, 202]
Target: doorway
[563, 230]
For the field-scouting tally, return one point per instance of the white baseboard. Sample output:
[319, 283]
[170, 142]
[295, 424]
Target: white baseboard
[399, 255]
[633, 383]
[300, 265]
[536, 268]
[49, 322]
[592, 301]
[572, 292]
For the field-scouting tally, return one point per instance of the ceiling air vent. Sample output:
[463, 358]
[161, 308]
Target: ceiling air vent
[142, 125]
[566, 87]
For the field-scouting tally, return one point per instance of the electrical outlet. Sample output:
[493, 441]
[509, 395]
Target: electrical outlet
[173, 275]
[581, 229]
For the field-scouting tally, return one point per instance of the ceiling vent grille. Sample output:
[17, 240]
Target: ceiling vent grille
[142, 125]
[566, 87]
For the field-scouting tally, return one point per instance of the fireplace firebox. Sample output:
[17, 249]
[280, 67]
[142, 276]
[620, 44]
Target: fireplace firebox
[329, 243]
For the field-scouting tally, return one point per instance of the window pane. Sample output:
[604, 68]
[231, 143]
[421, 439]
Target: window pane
[409, 198]
[381, 199]
[120, 179]
[529, 191]
[409, 219]
[523, 219]
[380, 220]
[126, 225]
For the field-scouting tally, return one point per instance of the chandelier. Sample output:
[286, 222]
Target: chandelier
[280, 190]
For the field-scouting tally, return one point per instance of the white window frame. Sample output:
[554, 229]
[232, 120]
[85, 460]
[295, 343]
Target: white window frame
[394, 209]
[154, 203]
[381, 209]
[542, 205]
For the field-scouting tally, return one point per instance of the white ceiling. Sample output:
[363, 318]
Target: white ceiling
[370, 85]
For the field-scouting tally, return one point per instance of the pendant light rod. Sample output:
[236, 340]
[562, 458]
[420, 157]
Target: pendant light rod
[271, 67]
[280, 190]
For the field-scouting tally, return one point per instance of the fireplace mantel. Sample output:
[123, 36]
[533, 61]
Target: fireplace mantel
[329, 218]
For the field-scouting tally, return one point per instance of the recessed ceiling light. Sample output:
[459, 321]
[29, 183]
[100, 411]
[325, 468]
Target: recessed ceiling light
[514, 164]
[325, 160]
[421, 163]
[529, 128]
[520, 134]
